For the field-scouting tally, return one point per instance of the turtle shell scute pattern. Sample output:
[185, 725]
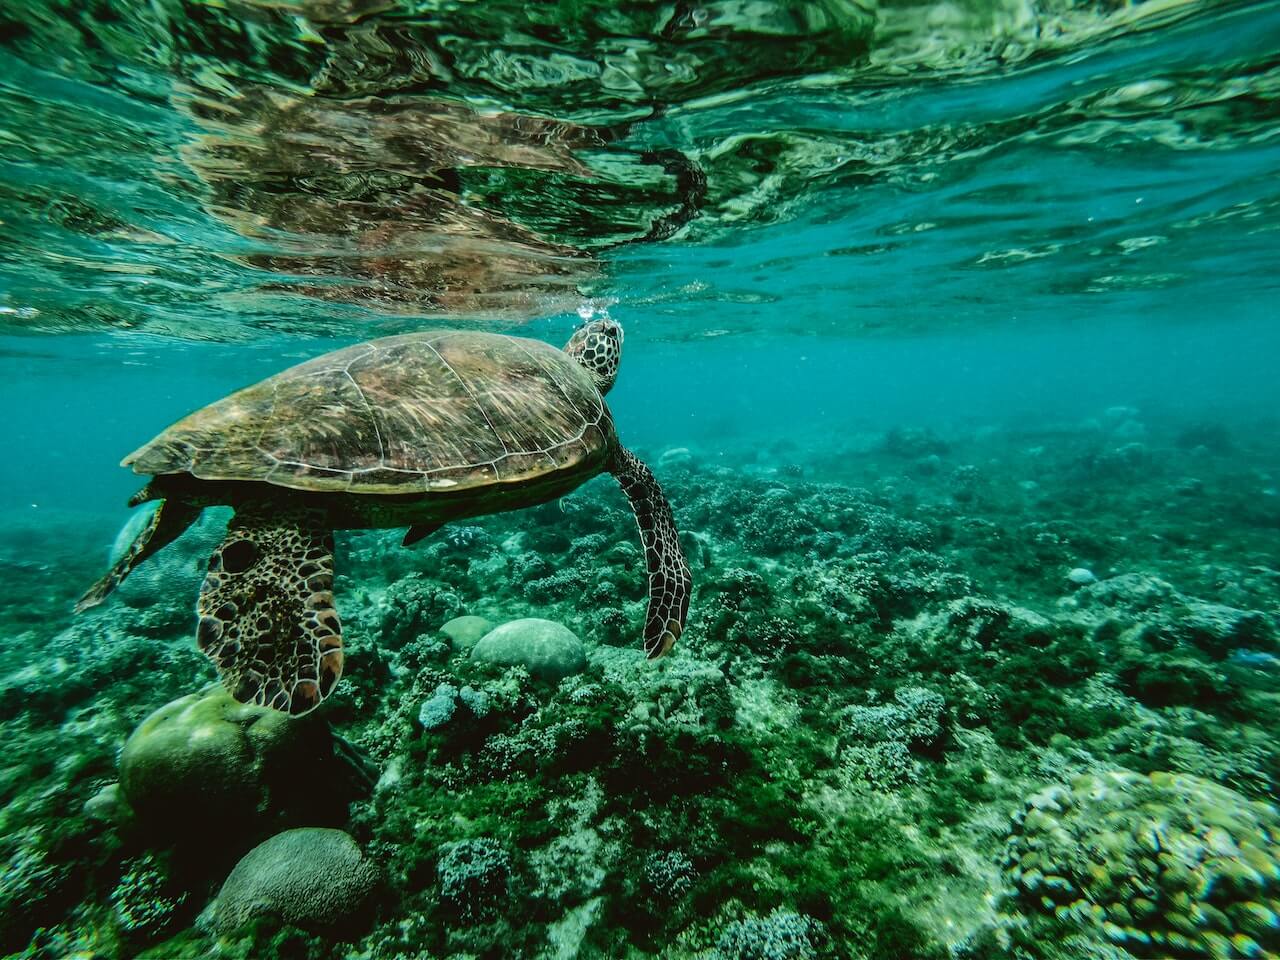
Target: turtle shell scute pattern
[419, 413]
[267, 615]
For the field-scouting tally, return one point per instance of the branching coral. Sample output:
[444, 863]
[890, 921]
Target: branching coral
[473, 876]
[144, 906]
[782, 935]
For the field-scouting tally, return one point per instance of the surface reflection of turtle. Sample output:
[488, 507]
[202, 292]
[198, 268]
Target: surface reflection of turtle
[370, 192]
[413, 430]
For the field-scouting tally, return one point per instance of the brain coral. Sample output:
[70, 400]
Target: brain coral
[1165, 865]
[548, 649]
[313, 878]
[206, 758]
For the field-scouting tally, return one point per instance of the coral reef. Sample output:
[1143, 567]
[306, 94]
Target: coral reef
[781, 935]
[890, 649]
[312, 878]
[1162, 865]
[439, 709]
[143, 905]
[543, 647]
[473, 876]
[205, 759]
[464, 632]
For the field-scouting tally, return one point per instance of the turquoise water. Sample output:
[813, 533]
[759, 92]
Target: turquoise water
[951, 338]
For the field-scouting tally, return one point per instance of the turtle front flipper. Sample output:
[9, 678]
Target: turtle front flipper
[669, 580]
[266, 609]
[167, 523]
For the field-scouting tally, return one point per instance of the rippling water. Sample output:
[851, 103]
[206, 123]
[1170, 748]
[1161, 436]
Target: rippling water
[210, 170]
[951, 333]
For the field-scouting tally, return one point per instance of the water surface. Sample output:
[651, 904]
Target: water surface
[951, 334]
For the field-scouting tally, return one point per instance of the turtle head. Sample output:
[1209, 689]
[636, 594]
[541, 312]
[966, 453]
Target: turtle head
[598, 347]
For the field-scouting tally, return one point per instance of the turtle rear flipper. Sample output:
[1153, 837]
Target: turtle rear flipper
[167, 523]
[669, 579]
[267, 618]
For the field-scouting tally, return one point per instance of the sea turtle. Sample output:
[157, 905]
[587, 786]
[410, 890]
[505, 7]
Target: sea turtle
[414, 430]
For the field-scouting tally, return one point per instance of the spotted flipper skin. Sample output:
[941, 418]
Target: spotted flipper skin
[267, 617]
[170, 519]
[669, 580]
